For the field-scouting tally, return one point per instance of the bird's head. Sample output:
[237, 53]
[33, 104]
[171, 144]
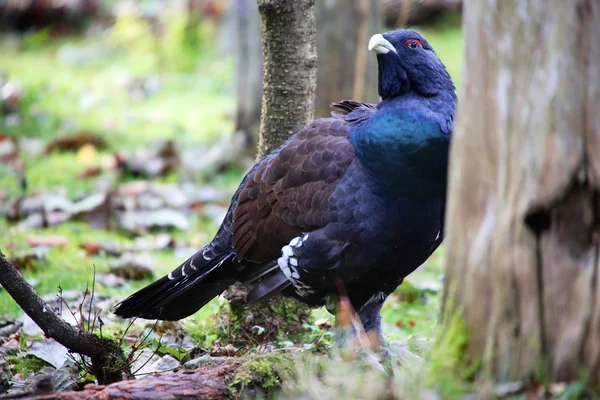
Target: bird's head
[407, 62]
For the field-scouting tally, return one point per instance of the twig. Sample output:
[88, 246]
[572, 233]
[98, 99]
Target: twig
[101, 352]
[92, 302]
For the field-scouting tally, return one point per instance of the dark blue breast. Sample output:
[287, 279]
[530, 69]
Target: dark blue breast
[385, 236]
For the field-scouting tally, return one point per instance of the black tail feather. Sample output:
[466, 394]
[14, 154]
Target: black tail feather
[184, 291]
[268, 287]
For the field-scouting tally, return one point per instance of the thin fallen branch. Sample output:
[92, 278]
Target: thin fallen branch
[107, 357]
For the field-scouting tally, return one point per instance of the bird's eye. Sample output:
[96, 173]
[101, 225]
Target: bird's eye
[413, 44]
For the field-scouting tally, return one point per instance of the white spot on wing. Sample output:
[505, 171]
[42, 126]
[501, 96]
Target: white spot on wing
[170, 276]
[287, 263]
[192, 265]
[287, 251]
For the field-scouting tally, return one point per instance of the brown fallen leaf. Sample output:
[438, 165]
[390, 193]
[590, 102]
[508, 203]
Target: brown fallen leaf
[156, 160]
[49, 241]
[132, 266]
[91, 248]
[75, 142]
[219, 350]
[89, 173]
[29, 259]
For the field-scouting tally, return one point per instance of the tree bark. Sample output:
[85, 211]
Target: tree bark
[289, 52]
[105, 354]
[345, 70]
[523, 223]
[290, 67]
[208, 383]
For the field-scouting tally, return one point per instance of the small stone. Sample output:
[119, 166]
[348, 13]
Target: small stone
[202, 360]
[144, 361]
[167, 363]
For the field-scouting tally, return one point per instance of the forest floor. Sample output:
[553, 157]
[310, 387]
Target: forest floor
[109, 117]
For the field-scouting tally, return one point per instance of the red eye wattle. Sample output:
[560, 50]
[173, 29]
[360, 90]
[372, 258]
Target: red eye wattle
[413, 43]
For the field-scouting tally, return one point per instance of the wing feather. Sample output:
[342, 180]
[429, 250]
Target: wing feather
[287, 194]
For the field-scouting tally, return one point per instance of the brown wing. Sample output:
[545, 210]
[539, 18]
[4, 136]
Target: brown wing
[288, 193]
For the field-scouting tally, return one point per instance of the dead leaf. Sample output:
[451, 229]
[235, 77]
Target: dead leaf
[33, 147]
[89, 173]
[323, 323]
[91, 248]
[49, 241]
[143, 220]
[132, 267]
[50, 351]
[133, 189]
[29, 259]
[110, 280]
[160, 159]
[219, 350]
[75, 142]
[8, 149]
[153, 243]
[11, 94]
[93, 209]
[49, 380]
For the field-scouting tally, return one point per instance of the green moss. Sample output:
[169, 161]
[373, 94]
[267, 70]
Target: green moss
[25, 365]
[264, 372]
[450, 369]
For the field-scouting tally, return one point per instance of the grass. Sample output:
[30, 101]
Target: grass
[65, 96]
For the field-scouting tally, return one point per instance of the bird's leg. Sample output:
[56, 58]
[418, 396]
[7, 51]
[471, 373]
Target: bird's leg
[370, 320]
[370, 317]
[371, 344]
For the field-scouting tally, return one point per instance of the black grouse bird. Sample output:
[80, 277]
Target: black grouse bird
[357, 198]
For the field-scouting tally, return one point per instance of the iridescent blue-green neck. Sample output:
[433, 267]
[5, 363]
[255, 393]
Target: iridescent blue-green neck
[404, 147]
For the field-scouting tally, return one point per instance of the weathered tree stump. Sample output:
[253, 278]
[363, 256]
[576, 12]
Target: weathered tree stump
[523, 244]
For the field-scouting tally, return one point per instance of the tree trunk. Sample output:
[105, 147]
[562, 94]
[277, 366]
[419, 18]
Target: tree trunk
[523, 223]
[290, 62]
[345, 69]
[249, 70]
[290, 68]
